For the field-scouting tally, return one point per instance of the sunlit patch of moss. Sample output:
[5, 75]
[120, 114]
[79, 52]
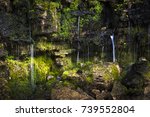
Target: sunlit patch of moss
[43, 46]
[18, 69]
[114, 70]
[108, 71]
[89, 79]
[67, 63]
[70, 74]
[42, 67]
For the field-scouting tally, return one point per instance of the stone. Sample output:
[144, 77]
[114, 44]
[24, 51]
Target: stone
[137, 80]
[4, 70]
[4, 89]
[104, 75]
[102, 95]
[147, 90]
[118, 91]
[66, 93]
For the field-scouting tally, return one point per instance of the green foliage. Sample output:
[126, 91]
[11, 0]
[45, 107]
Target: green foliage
[20, 89]
[108, 71]
[42, 67]
[89, 79]
[67, 23]
[70, 74]
[114, 70]
[44, 46]
[125, 59]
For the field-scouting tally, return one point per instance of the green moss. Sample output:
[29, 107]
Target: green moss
[42, 67]
[67, 63]
[108, 71]
[89, 79]
[70, 74]
[20, 89]
[43, 46]
[147, 75]
[18, 69]
[114, 70]
[125, 59]
[68, 84]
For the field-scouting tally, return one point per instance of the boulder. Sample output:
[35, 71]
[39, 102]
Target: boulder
[4, 70]
[67, 93]
[102, 95]
[104, 75]
[137, 80]
[4, 89]
[118, 91]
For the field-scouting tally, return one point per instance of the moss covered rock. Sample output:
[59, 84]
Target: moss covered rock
[18, 69]
[104, 75]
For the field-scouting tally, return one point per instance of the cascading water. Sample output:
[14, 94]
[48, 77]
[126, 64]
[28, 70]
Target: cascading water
[113, 47]
[78, 53]
[32, 81]
[32, 66]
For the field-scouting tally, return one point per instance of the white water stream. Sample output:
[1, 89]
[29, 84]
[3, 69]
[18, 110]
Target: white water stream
[113, 47]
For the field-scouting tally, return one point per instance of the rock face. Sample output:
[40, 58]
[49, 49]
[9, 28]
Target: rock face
[66, 93]
[118, 91]
[4, 89]
[12, 27]
[4, 70]
[137, 80]
[103, 79]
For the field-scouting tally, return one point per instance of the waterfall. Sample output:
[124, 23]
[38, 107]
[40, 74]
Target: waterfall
[32, 66]
[113, 47]
[78, 30]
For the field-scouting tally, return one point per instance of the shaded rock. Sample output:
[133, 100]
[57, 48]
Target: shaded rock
[3, 52]
[12, 27]
[118, 91]
[4, 89]
[4, 70]
[66, 93]
[147, 92]
[97, 93]
[102, 95]
[137, 80]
